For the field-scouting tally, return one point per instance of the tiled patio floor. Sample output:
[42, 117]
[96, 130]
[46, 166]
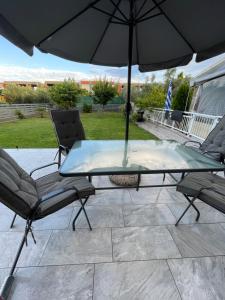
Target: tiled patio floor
[134, 251]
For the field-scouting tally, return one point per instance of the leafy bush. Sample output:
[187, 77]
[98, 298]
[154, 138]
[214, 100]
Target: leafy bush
[66, 94]
[182, 96]
[20, 94]
[87, 108]
[42, 95]
[153, 95]
[104, 91]
[134, 117]
[19, 114]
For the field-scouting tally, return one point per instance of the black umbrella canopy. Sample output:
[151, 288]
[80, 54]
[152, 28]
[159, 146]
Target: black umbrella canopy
[166, 33]
[153, 34]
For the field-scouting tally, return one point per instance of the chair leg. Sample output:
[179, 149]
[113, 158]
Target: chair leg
[13, 221]
[190, 204]
[5, 289]
[59, 158]
[85, 213]
[56, 154]
[193, 205]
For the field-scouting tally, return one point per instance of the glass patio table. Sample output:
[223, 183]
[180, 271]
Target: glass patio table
[118, 157]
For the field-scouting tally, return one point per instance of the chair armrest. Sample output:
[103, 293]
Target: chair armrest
[58, 192]
[193, 142]
[216, 152]
[49, 196]
[42, 167]
[64, 148]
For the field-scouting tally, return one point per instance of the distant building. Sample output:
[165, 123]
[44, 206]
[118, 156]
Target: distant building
[32, 84]
[51, 83]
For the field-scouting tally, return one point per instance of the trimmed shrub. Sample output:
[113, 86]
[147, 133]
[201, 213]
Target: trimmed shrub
[19, 114]
[40, 112]
[87, 108]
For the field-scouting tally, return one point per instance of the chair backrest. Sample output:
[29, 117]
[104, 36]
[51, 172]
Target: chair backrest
[17, 188]
[177, 116]
[215, 141]
[68, 127]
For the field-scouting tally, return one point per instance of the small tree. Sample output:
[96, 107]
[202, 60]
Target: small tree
[153, 96]
[42, 95]
[66, 94]
[182, 96]
[104, 91]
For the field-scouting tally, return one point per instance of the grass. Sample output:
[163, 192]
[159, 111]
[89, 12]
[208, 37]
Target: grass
[39, 132]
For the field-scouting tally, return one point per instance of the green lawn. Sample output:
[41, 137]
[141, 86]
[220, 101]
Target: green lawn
[39, 133]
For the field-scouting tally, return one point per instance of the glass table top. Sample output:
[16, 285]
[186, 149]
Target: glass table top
[105, 157]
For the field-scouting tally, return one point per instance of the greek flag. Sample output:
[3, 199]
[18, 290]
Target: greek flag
[169, 97]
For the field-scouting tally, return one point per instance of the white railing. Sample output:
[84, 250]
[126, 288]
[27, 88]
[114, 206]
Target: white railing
[8, 111]
[192, 124]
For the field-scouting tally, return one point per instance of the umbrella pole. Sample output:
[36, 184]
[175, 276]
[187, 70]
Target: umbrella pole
[130, 53]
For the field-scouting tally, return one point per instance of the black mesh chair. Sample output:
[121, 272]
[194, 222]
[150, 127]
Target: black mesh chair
[68, 128]
[35, 199]
[208, 187]
[214, 144]
[177, 116]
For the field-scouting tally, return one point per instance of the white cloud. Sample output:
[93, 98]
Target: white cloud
[8, 73]
[39, 74]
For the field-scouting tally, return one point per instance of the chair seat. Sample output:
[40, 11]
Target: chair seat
[53, 183]
[214, 192]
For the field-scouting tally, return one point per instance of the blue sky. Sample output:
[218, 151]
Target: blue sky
[17, 65]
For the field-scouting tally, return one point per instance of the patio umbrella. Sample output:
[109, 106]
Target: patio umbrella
[153, 34]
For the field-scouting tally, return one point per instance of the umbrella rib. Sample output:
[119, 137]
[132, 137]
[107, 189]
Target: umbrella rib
[108, 14]
[119, 10]
[174, 26]
[104, 32]
[68, 21]
[150, 10]
[150, 17]
[140, 9]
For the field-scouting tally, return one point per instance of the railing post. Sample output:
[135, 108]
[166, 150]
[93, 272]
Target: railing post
[215, 121]
[190, 124]
[162, 117]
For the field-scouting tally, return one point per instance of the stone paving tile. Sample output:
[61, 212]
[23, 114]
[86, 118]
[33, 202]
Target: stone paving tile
[199, 239]
[143, 243]
[208, 214]
[81, 246]
[110, 197]
[73, 282]
[222, 225]
[58, 220]
[199, 278]
[6, 216]
[30, 256]
[3, 274]
[155, 195]
[101, 216]
[149, 280]
[145, 215]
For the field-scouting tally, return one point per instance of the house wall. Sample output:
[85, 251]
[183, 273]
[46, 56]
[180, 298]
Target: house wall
[210, 98]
